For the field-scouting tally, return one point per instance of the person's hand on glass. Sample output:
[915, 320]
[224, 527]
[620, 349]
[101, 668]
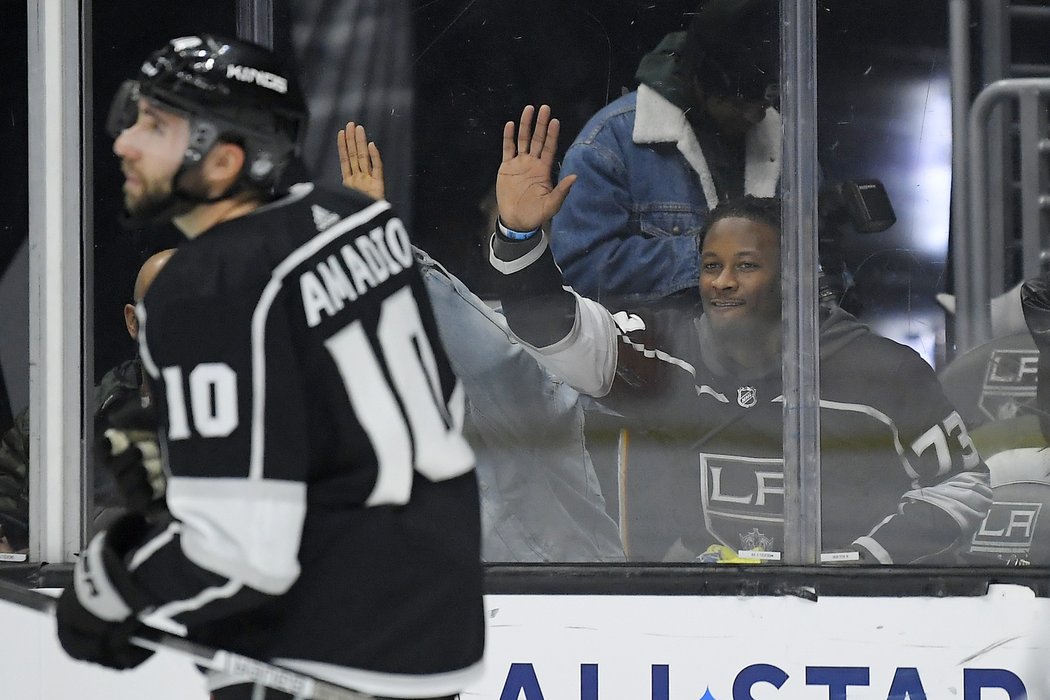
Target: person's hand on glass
[359, 161]
[525, 194]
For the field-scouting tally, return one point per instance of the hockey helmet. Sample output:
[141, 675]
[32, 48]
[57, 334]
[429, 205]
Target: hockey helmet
[228, 89]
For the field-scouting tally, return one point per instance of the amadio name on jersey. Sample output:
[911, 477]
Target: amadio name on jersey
[365, 262]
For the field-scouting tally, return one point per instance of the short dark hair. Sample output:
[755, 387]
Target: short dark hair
[764, 210]
[732, 47]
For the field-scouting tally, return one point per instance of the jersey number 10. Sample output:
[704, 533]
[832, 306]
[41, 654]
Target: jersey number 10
[409, 425]
[425, 436]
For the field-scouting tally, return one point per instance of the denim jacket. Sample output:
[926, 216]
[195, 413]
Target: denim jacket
[540, 497]
[627, 232]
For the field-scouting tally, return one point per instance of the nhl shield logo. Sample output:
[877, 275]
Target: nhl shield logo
[746, 396]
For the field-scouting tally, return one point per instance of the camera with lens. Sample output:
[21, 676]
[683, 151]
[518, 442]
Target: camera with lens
[859, 206]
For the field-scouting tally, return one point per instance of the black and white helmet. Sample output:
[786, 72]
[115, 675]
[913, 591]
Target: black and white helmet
[228, 89]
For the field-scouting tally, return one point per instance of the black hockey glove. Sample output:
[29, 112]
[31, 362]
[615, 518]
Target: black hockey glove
[97, 615]
[127, 447]
[1035, 303]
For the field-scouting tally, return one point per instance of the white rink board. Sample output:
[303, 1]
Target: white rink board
[613, 647]
[34, 667]
[562, 643]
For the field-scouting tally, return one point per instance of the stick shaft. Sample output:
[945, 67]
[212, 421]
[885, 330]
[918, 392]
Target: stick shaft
[286, 680]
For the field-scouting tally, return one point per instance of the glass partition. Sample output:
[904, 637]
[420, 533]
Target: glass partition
[14, 290]
[685, 481]
[121, 256]
[665, 113]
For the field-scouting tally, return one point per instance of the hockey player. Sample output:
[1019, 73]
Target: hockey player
[901, 480]
[1015, 532]
[322, 504]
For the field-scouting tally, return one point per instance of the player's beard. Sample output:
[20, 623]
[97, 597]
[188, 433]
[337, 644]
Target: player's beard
[160, 203]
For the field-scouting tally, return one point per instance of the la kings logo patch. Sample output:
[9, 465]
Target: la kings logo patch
[742, 499]
[1009, 383]
[746, 396]
[756, 540]
[322, 217]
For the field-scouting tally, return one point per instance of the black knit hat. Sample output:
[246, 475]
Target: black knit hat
[733, 47]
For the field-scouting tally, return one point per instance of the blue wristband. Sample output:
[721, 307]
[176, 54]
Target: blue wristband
[516, 235]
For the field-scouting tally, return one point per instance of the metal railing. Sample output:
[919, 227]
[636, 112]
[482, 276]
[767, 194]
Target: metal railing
[977, 238]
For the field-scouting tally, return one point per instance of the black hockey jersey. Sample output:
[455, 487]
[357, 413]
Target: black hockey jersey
[325, 508]
[900, 477]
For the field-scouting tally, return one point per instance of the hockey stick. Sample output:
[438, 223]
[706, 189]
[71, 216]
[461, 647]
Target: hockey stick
[272, 676]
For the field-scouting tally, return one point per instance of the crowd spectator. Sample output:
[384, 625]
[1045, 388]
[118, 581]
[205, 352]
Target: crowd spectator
[901, 481]
[701, 127]
[120, 389]
[540, 496]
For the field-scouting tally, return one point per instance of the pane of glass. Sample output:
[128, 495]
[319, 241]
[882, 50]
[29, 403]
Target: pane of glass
[14, 287]
[883, 133]
[885, 119]
[999, 234]
[123, 261]
[692, 471]
[626, 236]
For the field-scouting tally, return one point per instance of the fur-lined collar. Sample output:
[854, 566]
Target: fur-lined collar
[657, 120]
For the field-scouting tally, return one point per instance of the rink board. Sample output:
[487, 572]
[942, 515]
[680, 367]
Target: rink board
[637, 647]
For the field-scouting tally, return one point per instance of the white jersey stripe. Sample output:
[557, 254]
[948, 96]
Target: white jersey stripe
[146, 550]
[248, 532]
[509, 268]
[880, 417]
[670, 359]
[177, 607]
[144, 354]
[660, 355]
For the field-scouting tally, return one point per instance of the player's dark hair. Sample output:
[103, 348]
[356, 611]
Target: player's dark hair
[765, 210]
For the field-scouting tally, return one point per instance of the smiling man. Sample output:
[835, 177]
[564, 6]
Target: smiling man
[740, 280]
[901, 480]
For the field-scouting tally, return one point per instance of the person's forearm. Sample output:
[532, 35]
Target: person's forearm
[931, 519]
[538, 308]
[574, 338]
[921, 530]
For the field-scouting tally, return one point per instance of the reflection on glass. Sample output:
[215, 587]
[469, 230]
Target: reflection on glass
[125, 258]
[1000, 237]
[14, 290]
[687, 118]
[666, 112]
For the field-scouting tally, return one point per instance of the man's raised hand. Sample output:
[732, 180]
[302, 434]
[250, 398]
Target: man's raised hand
[359, 161]
[524, 193]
